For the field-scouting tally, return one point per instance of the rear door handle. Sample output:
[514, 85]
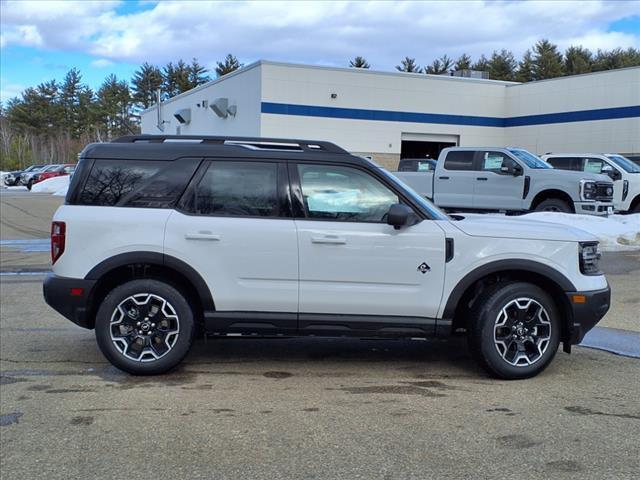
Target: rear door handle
[483, 179]
[202, 236]
[443, 178]
[329, 239]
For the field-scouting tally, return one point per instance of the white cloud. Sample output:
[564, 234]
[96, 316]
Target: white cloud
[102, 63]
[9, 90]
[312, 32]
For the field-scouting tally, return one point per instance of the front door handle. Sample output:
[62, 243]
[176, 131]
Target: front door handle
[482, 179]
[203, 236]
[443, 178]
[329, 239]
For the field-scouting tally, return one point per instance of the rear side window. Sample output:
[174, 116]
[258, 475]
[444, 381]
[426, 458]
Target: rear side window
[237, 189]
[141, 184]
[566, 163]
[459, 160]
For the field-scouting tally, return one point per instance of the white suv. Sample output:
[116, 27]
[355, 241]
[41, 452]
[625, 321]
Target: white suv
[624, 173]
[160, 238]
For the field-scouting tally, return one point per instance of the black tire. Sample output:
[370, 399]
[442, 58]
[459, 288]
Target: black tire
[177, 344]
[636, 208]
[29, 184]
[486, 335]
[553, 205]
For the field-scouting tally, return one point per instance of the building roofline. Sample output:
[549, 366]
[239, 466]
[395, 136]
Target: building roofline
[235, 73]
[567, 77]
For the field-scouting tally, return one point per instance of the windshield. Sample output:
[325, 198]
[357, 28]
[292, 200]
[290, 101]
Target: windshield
[625, 163]
[530, 160]
[433, 211]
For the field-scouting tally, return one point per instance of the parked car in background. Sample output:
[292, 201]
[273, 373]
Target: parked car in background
[59, 171]
[12, 179]
[417, 165]
[624, 173]
[28, 179]
[510, 180]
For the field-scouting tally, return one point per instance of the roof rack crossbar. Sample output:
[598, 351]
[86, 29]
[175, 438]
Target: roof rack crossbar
[250, 142]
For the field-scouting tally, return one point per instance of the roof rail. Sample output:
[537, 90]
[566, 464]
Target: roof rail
[254, 143]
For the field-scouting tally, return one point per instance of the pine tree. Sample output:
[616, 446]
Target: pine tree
[547, 60]
[145, 83]
[463, 62]
[482, 64]
[502, 65]
[525, 71]
[359, 62]
[439, 66]
[230, 64]
[114, 105]
[409, 65]
[76, 102]
[577, 60]
[197, 74]
[182, 73]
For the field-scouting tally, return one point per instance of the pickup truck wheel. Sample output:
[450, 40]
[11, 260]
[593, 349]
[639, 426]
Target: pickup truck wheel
[515, 332]
[553, 205]
[145, 327]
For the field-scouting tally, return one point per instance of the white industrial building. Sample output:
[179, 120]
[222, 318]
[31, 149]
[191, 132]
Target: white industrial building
[387, 115]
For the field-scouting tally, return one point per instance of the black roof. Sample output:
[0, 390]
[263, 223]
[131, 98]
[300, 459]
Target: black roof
[171, 147]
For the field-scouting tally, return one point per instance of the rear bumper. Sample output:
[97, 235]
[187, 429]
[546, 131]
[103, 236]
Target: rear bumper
[594, 208]
[587, 312]
[69, 297]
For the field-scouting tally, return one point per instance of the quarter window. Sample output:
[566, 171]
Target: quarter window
[238, 189]
[344, 194]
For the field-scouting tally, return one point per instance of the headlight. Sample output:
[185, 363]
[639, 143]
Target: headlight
[589, 258]
[588, 190]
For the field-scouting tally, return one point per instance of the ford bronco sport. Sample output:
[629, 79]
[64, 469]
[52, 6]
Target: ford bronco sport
[162, 236]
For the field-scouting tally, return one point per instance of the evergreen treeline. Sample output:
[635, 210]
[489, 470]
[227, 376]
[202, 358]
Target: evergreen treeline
[51, 123]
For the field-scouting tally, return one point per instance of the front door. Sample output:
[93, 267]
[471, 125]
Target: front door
[494, 189]
[353, 266]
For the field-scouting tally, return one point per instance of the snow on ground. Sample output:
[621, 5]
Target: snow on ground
[52, 185]
[615, 232]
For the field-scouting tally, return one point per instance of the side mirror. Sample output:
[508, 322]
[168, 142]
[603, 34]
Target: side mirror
[612, 172]
[515, 170]
[398, 215]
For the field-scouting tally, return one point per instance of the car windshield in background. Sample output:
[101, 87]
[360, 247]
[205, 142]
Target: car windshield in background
[530, 160]
[624, 162]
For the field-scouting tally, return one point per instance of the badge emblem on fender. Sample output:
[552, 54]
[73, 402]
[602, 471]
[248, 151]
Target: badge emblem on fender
[423, 267]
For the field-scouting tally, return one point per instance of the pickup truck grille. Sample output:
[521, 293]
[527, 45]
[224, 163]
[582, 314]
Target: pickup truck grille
[604, 191]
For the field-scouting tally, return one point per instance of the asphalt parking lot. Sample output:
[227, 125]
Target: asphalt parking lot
[299, 408]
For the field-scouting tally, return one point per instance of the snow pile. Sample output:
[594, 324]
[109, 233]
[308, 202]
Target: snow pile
[53, 185]
[2, 175]
[615, 232]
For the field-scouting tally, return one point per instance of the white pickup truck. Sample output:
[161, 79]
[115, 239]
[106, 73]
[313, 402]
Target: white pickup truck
[624, 173]
[509, 179]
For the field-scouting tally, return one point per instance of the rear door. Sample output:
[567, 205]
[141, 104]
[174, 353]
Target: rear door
[494, 189]
[235, 229]
[454, 183]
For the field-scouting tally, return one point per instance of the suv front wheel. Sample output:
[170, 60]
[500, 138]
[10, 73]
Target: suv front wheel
[515, 330]
[145, 327]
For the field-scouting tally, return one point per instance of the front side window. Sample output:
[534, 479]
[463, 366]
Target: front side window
[343, 194]
[238, 189]
[593, 165]
[494, 161]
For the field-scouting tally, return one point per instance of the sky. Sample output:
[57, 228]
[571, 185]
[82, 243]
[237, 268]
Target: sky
[41, 40]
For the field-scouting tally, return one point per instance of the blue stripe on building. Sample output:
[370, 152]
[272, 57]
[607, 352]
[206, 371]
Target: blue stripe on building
[470, 120]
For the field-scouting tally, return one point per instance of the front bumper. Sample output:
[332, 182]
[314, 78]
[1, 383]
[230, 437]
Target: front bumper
[594, 208]
[70, 297]
[588, 308]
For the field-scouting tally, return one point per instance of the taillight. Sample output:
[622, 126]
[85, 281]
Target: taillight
[58, 230]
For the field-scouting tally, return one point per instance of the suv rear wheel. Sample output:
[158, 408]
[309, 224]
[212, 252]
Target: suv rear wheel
[515, 332]
[145, 327]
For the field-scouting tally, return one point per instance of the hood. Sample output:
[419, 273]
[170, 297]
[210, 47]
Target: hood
[513, 227]
[556, 173]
